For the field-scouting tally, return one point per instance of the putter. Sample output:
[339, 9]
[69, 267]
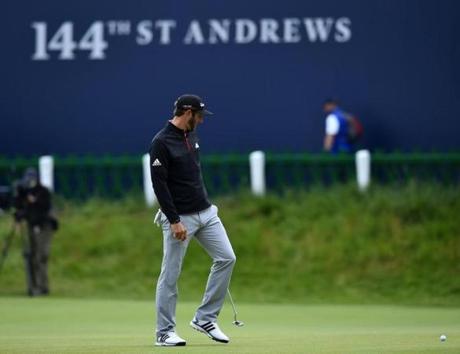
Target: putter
[235, 322]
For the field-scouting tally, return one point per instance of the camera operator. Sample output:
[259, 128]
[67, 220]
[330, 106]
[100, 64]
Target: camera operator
[33, 205]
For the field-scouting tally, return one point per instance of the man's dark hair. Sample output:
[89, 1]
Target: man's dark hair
[178, 112]
[330, 100]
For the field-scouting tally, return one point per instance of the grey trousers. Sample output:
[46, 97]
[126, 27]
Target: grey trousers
[206, 227]
[36, 250]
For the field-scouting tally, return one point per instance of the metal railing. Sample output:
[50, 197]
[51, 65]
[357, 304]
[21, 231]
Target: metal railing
[115, 176]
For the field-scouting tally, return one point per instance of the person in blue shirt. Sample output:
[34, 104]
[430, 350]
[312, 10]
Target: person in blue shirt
[336, 139]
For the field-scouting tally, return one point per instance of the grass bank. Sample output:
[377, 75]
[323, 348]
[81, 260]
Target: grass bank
[394, 244]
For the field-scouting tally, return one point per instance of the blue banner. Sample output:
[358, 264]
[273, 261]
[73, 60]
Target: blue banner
[102, 77]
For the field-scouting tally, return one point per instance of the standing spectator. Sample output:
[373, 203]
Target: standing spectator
[336, 139]
[33, 205]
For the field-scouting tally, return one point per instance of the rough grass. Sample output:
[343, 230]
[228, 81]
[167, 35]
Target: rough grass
[394, 244]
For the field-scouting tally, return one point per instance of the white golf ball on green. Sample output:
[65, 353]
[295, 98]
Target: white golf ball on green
[443, 337]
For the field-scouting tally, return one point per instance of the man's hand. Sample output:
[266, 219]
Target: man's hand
[31, 199]
[179, 231]
[17, 227]
[328, 142]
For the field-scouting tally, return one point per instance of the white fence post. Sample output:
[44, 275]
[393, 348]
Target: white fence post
[257, 169]
[363, 169]
[149, 194]
[46, 171]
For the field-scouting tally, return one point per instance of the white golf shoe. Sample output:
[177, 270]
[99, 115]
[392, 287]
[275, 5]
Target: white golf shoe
[211, 329]
[170, 339]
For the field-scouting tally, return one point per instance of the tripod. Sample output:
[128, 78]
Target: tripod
[27, 254]
[6, 247]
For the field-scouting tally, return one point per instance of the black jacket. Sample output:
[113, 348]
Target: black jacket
[37, 213]
[176, 173]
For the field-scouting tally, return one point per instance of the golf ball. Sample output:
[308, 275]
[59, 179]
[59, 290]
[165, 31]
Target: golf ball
[443, 337]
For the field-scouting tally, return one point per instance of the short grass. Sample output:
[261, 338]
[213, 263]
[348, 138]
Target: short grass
[56, 325]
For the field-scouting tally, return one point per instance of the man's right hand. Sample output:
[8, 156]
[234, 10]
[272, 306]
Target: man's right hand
[17, 227]
[179, 231]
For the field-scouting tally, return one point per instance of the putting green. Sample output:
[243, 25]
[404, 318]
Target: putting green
[54, 325]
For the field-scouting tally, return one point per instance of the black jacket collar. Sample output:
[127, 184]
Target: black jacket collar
[172, 128]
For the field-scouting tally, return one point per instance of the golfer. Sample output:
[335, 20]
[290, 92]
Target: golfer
[186, 213]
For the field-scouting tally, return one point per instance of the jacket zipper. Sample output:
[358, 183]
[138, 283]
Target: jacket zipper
[189, 148]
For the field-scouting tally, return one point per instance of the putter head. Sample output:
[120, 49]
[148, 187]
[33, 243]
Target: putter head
[238, 323]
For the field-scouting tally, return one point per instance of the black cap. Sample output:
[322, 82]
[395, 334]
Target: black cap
[192, 102]
[30, 174]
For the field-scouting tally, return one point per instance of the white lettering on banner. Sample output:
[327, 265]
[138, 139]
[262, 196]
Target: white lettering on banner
[63, 41]
[144, 33]
[343, 33]
[119, 28]
[96, 38]
[318, 28]
[194, 34]
[219, 31]
[245, 31]
[291, 30]
[268, 29]
[165, 27]
[40, 41]
[93, 40]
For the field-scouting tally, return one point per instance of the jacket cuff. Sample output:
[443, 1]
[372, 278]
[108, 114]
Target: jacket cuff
[174, 220]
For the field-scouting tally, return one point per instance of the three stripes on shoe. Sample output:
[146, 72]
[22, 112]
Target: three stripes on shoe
[164, 337]
[208, 326]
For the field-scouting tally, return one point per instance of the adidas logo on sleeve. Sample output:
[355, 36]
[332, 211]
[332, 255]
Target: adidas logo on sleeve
[156, 163]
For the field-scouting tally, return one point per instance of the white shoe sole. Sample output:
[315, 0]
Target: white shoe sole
[162, 344]
[199, 329]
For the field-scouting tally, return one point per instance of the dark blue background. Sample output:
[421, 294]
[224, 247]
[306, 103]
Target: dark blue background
[399, 73]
